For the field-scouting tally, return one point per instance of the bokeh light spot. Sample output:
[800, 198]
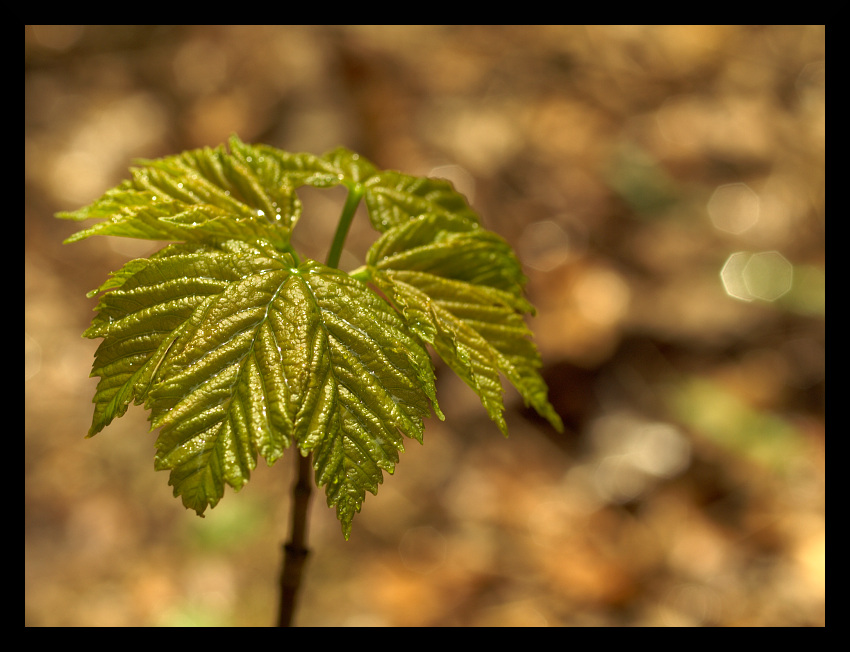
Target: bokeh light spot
[734, 208]
[768, 275]
[544, 245]
[732, 277]
[601, 296]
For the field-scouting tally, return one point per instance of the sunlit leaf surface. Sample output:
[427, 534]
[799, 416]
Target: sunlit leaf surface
[460, 288]
[240, 349]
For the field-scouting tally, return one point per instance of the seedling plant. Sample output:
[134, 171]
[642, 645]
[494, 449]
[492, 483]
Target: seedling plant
[241, 348]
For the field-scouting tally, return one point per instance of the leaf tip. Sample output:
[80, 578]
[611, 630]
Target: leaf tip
[79, 235]
[557, 423]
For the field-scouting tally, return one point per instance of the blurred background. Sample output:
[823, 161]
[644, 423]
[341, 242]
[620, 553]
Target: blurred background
[665, 190]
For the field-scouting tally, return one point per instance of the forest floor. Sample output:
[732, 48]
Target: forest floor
[665, 190]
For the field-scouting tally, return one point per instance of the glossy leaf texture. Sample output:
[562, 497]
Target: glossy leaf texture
[459, 287]
[240, 349]
[212, 195]
[238, 353]
[201, 196]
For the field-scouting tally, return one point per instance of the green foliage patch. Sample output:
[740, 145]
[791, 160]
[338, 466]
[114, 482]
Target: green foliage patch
[240, 348]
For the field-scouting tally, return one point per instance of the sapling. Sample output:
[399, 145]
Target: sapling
[241, 347]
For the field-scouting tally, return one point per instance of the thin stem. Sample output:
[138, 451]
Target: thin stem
[355, 192]
[295, 551]
[291, 251]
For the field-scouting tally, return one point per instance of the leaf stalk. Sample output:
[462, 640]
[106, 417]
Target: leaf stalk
[355, 192]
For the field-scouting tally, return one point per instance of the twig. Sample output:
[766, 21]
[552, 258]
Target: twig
[295, 551]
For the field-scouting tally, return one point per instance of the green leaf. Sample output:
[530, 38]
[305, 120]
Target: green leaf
[460, 289]
[393, 198]
[139, 320]
[211, 194]
[452, 247]
[200, 196]
[238, 352]
[241, 350]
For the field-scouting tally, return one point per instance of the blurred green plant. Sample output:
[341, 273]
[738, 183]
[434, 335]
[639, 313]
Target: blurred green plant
[240, 347]
[726, 420]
